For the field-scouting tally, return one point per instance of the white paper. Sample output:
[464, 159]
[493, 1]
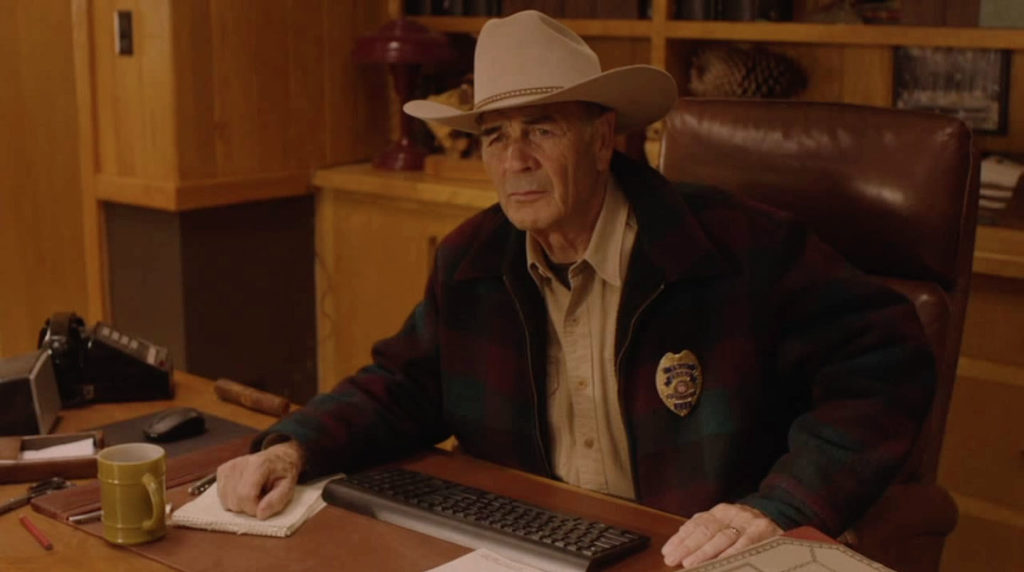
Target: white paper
[82, 448]
[205, 512]
[781, 554]
[483, 561]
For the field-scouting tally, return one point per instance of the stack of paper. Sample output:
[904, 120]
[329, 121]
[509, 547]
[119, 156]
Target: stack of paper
[999, 178]
[205, 512]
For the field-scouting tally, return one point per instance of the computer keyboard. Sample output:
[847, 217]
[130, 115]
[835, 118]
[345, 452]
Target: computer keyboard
[478, 519]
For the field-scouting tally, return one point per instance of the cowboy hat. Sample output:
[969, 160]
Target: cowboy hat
[529, 58]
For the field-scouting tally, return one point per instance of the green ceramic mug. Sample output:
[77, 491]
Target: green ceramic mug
[132, 491]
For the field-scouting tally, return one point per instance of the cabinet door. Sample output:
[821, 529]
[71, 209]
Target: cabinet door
[374, 255]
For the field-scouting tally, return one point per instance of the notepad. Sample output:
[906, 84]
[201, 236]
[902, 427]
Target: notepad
[206, 513]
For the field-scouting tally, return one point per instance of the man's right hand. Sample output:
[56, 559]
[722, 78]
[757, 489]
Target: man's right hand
[260, 484]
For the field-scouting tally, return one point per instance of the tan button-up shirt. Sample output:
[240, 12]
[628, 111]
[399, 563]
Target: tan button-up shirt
[588, 435]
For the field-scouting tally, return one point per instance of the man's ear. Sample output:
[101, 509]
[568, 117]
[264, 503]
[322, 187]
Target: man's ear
[604, 139]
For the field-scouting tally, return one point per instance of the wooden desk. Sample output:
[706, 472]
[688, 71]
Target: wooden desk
[363, 541]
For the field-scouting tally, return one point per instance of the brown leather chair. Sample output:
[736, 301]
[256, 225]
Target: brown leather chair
[896, 192]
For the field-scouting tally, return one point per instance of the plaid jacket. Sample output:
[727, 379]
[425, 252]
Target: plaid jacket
[815, 379]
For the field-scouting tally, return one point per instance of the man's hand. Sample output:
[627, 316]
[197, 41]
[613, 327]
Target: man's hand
[722, 531]
[260, 484]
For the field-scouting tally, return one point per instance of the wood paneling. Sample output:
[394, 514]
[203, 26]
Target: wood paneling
[133, 97]
[986, 412]
[233, 90]
[376, 235]
[41, 252]
[995, 316]
[982, 544]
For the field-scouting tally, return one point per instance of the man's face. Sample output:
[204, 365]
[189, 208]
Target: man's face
[547, 163]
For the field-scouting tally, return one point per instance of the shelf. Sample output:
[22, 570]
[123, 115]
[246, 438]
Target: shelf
[785, 32]
[586, 28]
[847, 34]
[412, 186]
[999, 251]
[179, 196]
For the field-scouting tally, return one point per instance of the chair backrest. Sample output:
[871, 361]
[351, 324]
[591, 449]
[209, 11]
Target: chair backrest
[895, 192]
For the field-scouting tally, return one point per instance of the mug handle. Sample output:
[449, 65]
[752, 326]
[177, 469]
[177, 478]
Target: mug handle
[151, 484]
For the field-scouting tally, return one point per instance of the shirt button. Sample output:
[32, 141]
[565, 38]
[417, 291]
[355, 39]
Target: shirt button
[588, 442]
[581, 384]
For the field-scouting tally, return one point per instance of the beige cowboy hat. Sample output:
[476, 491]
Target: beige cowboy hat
[529, 58]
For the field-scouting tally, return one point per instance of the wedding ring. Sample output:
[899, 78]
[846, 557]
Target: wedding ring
[734, 530]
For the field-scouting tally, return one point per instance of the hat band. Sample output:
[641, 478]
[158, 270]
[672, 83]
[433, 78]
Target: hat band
[514, 93]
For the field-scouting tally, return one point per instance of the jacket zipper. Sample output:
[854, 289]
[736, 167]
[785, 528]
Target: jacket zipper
[618, 371]
[533, 382]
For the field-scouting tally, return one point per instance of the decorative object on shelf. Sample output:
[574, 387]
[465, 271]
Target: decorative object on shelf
[652, 142]
[970, 84]
[1000, 177]
[404, 45]
[745, 71]
[456, 144]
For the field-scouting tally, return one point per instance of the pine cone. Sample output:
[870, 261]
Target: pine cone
[729, 71]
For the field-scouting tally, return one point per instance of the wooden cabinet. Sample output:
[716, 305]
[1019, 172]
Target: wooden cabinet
[198, 149]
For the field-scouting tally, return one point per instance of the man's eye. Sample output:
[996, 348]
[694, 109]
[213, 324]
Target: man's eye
[543, 131]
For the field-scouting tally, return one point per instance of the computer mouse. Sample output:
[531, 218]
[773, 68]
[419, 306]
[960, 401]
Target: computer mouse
[174, 424]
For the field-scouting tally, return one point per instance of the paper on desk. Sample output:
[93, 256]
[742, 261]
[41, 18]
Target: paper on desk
[783, 553]
[82, 448]
[483, 561]
[205, 512]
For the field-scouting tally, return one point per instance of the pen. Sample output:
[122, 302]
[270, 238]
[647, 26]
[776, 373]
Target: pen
[202, 484]
[36, 533]
[86, 517]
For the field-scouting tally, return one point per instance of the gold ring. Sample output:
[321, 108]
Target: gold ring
[734, 530]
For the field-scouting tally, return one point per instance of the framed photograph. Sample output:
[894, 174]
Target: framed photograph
[970, 84]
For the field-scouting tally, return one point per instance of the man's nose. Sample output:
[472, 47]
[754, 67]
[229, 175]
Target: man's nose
[519, 157]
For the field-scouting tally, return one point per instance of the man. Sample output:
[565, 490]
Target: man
[667, 344]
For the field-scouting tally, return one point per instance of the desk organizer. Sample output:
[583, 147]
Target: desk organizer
[13, 469]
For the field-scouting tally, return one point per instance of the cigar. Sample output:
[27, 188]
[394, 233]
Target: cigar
[250, 397]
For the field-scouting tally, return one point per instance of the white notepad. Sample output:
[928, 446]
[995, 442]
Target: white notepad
[205, 512]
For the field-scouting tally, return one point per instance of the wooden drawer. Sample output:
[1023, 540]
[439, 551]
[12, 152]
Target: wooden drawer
[983, 450]
[982, 544]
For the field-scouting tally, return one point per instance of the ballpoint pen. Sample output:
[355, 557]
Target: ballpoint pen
[202, 484]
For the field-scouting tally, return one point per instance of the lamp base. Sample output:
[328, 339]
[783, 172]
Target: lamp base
[401, 157]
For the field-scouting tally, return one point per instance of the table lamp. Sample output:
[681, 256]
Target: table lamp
[404, 45]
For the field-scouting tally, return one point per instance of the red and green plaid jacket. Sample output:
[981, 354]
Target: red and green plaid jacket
[815, 378]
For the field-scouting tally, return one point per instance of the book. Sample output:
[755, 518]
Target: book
[552, 8]
[206, 513]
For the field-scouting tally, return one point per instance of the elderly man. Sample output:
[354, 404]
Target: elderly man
[663, 343]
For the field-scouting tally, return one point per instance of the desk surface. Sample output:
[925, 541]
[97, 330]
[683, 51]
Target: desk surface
[80, 550]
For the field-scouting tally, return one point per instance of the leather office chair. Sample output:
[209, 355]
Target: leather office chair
[896, 192]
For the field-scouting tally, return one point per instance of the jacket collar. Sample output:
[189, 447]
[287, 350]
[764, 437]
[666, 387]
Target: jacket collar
[668, 234]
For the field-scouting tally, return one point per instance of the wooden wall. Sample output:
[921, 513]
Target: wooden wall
[234, 90]
[41, 232]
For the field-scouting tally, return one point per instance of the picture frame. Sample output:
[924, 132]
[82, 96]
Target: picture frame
[970, 84]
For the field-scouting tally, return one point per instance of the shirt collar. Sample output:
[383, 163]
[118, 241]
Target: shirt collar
[604, 252]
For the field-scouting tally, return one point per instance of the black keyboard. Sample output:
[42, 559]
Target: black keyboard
[478, 519]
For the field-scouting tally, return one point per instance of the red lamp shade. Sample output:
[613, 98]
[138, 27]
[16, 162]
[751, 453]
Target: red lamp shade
[404, 45]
